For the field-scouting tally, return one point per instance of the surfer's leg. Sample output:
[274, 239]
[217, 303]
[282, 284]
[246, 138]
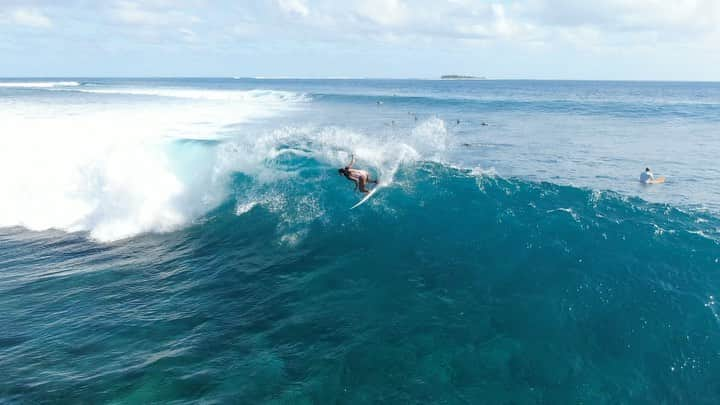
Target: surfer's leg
[362, 181]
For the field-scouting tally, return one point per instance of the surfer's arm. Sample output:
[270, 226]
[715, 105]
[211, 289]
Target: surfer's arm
[352, 161]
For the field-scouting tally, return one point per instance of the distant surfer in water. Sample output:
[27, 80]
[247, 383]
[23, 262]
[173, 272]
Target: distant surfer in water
[360, 177]
[647, 176]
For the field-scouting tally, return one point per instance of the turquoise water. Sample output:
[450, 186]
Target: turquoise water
[190, 240]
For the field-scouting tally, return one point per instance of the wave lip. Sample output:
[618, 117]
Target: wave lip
[211, 95]
[40, 85]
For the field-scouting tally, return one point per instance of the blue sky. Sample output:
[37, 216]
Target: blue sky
[545, 39]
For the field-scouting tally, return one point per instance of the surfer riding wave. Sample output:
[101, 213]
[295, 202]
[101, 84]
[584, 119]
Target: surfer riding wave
[360, 177]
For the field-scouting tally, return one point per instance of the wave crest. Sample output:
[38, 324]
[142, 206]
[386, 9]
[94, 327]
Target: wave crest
[120, 171]
[40, 85]
[266, 96]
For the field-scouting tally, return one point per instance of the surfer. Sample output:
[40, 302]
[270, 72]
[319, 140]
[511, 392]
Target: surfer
[360, 177]
[647, 176]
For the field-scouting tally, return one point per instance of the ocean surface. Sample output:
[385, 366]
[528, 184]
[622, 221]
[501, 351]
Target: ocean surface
[190, 241]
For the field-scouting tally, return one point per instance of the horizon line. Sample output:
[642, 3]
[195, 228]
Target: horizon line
[478, 79]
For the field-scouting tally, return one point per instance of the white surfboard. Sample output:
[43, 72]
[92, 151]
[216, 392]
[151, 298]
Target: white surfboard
[367, 197]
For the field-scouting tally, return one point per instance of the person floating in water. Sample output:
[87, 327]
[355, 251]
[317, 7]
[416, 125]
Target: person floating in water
[647, 176]
[360, 177]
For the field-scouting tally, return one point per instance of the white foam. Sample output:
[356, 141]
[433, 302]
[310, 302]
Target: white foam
[333, 146]
[566, 210]
[117, 169]
[245, 208]
[479, 172]
[267, 96]
[263, 158]
[38, 84]
[130, 165]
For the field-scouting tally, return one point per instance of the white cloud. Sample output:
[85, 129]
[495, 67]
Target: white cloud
[401, 20]
[29, 17]
[584, 25]
[515, 18]
[384, 12]
[622, 25]
[131, 13]
[685, 15]
[294, 7]
[188, 35]
[150, 13]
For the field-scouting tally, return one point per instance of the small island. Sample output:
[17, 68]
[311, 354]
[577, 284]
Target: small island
[461, 77]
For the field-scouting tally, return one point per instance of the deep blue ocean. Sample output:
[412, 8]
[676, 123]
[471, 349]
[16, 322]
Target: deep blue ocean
[190, 241]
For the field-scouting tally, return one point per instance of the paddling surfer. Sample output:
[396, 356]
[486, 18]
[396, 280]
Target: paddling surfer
[360, 177]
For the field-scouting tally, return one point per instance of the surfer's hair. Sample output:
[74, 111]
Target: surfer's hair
[647, 169]
[341, 170]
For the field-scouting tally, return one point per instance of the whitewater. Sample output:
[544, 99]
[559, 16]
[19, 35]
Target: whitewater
[190, 240]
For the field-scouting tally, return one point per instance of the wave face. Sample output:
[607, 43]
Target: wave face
[161, 243]
[446, 286]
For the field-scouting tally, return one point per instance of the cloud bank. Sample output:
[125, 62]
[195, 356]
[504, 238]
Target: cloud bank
[569, 28]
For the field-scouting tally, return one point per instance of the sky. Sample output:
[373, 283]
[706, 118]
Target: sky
[501, 39]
